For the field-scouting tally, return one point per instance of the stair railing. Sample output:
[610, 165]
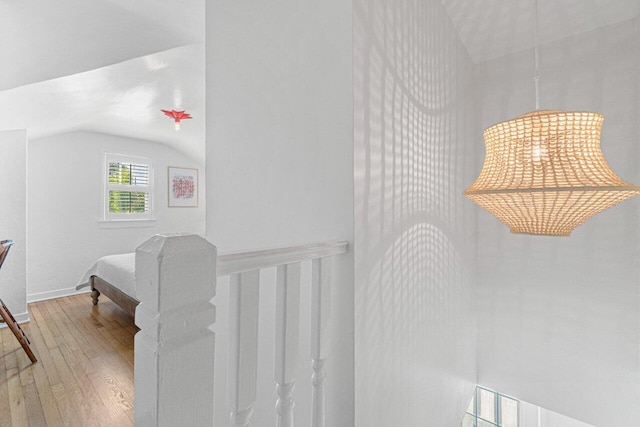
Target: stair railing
[176, 281]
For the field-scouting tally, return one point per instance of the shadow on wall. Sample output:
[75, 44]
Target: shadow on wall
[414, 123]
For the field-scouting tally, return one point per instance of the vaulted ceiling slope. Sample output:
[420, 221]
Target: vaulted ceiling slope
[121, 99]
[493, 28]
[42, 40]
[105, 66]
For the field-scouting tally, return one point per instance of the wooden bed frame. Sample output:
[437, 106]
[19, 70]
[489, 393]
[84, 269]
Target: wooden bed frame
[124, 301]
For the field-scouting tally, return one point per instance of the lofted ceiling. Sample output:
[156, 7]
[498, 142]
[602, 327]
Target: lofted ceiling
[105, 66]
[110, 65]
[494, 28]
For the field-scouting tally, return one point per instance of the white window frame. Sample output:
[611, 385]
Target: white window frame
[121, 217]
[472, 410]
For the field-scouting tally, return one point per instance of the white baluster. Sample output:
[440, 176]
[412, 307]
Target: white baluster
[244, 297]
[286, 349]
[174, 349]
[320, 311]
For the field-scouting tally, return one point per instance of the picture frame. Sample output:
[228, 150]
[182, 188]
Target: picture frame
[183, 187]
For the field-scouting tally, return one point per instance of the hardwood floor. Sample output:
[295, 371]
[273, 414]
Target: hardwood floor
[84, 373]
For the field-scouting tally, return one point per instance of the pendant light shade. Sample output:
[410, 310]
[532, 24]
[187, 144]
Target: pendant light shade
[544, 173]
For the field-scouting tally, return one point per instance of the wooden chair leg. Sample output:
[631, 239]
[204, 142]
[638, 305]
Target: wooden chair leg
[17, 331]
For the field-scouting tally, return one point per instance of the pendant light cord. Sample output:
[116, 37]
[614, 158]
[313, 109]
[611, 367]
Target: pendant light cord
[536, 76]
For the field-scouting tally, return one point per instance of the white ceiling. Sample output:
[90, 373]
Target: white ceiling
[494, 28]
[110, 65]
[105, 66]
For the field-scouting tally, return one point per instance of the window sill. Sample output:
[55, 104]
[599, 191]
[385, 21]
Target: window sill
[126, 223]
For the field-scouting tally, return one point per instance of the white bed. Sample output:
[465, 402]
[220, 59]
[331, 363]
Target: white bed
[115, 277]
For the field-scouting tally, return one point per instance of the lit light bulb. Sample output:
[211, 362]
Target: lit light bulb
[177, 125]
[539, 151]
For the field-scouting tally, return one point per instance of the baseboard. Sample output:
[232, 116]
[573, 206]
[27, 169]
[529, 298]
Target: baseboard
[20, 318]
[58, 293]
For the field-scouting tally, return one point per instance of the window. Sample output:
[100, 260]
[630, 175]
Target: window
[491, 409]
[128, 187]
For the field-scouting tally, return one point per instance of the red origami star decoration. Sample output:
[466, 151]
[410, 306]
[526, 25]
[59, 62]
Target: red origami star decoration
[177, 116]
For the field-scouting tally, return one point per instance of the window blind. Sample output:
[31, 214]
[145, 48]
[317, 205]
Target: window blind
[128, 188]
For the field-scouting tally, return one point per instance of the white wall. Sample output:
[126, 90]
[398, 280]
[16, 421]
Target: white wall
[65, 205]
[280, 165]
[560, 318]
[415, 248]
[13, 224]
[534, 416]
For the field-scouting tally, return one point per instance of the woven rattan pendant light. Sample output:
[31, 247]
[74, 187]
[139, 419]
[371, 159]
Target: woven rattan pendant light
[544, 172]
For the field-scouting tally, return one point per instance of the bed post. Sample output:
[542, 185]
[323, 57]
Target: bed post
[95, 294]
[174, 349]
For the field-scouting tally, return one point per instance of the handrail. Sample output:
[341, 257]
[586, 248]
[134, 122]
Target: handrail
[238, 262]
[176, 328]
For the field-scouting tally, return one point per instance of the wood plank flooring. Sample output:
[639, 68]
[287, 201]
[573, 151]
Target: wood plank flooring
[84, 373]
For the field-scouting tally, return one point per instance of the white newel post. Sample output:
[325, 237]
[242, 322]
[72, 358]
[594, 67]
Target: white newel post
[174, 349]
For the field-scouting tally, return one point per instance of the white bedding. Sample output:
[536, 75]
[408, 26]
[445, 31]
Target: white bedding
[118, 270]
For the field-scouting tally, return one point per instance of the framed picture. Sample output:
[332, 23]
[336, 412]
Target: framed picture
[183, 187]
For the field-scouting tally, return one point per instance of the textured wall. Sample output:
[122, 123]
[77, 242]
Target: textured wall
[560, 324]
[414, 242]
